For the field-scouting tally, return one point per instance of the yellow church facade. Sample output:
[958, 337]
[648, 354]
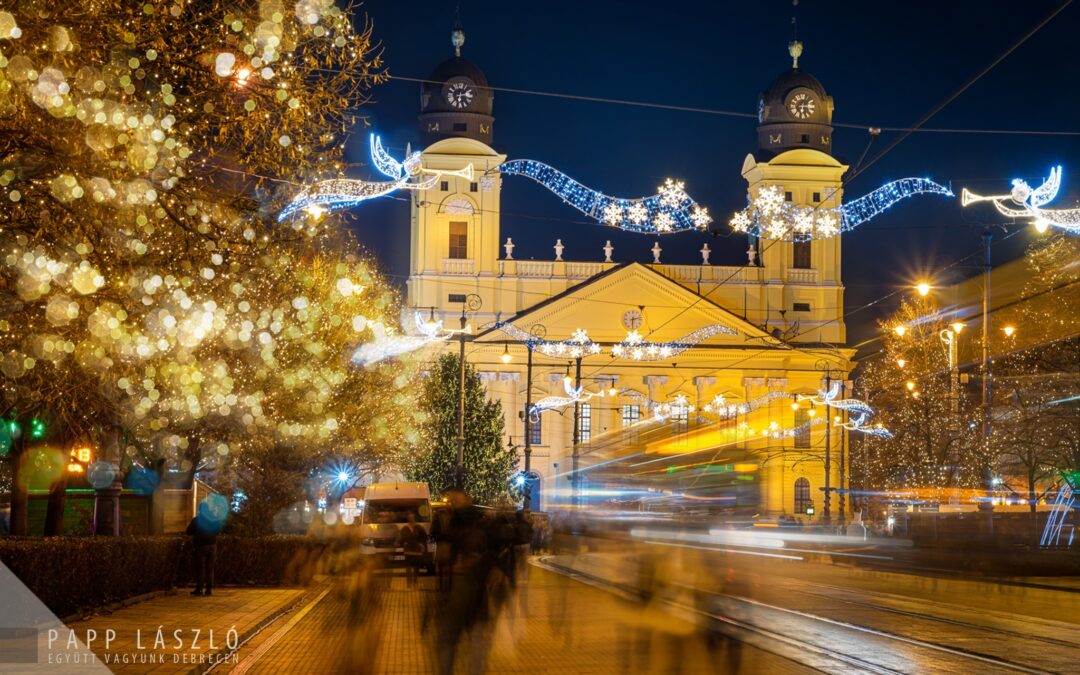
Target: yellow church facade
[717, 426]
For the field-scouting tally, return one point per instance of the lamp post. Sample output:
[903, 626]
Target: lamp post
[827, 367]
[574, 477]
[470, 302]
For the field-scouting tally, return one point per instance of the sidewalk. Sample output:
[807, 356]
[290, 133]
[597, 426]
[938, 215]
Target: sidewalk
[186, 623]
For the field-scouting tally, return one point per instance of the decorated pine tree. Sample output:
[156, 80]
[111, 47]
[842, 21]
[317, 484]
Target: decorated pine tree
[489, 465]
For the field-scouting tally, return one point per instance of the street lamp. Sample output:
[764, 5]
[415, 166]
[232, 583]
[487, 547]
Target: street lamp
[900, 330]
[923, 288]
[1009, 330]
[1041, 225]
[506, 354]
[901, 362]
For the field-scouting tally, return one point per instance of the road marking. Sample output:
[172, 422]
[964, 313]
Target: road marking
[247, 663]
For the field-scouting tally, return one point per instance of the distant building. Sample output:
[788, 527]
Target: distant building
[787, 295]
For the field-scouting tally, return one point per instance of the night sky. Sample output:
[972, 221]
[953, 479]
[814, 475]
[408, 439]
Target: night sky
[884, 64]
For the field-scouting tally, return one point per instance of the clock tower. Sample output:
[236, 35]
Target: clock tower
[803, 296]
[456, 100]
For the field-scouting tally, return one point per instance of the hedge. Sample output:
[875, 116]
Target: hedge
[78, 574]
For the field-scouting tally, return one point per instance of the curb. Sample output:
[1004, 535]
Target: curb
[120, 604]
[218, 657]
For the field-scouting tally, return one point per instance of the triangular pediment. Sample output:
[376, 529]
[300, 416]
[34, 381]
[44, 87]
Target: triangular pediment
[607, 304]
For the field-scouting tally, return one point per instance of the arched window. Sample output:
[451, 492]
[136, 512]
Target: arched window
[802, 495]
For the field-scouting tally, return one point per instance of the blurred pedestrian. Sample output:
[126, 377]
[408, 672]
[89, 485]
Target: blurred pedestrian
[412, 538]
[203, 530]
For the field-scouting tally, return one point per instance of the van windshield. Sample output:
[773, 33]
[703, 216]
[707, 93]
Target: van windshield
[397, 511]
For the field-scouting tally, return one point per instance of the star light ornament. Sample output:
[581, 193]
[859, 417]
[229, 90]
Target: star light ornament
[388, 345]
[635, 347]
[578, 345]
[1025, 202]
[671, 209]
[770, 215]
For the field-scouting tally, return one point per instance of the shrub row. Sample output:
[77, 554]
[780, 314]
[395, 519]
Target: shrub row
[75, 574]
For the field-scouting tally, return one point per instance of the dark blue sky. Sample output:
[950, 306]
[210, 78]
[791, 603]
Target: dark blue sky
[885, 64]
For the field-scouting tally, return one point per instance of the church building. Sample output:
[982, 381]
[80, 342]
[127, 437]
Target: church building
[716, 426]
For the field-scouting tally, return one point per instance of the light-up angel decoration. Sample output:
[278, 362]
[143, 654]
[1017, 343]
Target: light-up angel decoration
[388, 345]
[670, 210]
[635, 347]
[342, 193]
[573, 395]
[1025, 202]
[859, 424]
[771, 216]
[828, 398]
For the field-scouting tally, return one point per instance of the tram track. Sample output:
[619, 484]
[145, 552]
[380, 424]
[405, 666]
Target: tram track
[967, 655]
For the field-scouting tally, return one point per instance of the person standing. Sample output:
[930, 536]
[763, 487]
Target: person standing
[412, 538]
[203, 531]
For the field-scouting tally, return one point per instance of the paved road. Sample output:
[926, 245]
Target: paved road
[568, 627]
[863, 620]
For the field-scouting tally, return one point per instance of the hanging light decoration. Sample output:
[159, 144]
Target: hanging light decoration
[635, 347]
[1028, 203]
[770, 215]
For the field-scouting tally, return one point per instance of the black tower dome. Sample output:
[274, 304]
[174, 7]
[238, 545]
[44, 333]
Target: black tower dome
[456, 101]
[795, 111]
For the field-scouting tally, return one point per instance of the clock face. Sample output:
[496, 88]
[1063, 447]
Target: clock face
[460, 94]
[802, 105]
[632, 319]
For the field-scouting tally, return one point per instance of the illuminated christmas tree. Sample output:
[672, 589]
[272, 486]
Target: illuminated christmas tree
[149, 298]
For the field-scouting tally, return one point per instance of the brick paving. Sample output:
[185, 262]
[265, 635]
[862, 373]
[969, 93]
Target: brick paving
[239, 608]
[563, 627]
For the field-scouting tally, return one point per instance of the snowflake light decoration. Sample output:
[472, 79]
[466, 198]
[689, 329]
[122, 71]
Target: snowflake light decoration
[700, 216]
[770, 215]
[637, 213]
[578, 345]
[637, 348]
[613, 214]
[672, 192]
[664, 222]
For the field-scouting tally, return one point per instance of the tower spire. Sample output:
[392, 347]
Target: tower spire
[457, 36]
[795, 48]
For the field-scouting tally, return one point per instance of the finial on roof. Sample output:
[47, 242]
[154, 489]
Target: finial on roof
[795, 49]
[457, 36]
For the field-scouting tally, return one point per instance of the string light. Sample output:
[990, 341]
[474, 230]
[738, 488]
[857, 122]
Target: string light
[573, 395]
[828, 398]
[388, 345]
[578, 345]
[635, 347]
[771, 215]
[670, 210]
[1030, 203]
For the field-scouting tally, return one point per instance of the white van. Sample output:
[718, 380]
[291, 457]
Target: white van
[386, 509]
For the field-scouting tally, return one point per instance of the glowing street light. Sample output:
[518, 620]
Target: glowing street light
[506, 354]
[910, 385]
[901, 362]
[923, 288]
[1009, 330]
[957, 326]
[1041, 225]
[900, 330]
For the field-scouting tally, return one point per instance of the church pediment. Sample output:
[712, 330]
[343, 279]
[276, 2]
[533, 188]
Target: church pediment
[634, 297]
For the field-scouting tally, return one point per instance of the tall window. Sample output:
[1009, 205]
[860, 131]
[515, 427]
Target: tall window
[802, 428]
[802, 495]
[801, 255]
[631, 415]
[585, 423]
[459, 240]
[535, 432]
[680, 416]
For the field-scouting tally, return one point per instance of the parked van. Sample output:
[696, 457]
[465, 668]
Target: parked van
[386, 509]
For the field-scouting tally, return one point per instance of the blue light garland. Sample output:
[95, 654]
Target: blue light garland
[669, 211]
[769, 215]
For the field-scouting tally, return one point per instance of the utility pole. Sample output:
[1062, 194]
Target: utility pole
[459, 468]
[528, 428]
[843, 463]
[986, 504]
[575, 479]
[828, 454]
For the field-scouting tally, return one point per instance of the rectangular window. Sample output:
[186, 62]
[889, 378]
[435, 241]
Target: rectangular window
[817, 198]
[801, 307]
[802, 428]
[459, 240]
[455, 297]
[805, 138]
[787, 196]
[535, 429]
[459, 126]
[631, 415]
[444, 185]
[800, 258]
[680, 416]
[584, 423]
[474, 187]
